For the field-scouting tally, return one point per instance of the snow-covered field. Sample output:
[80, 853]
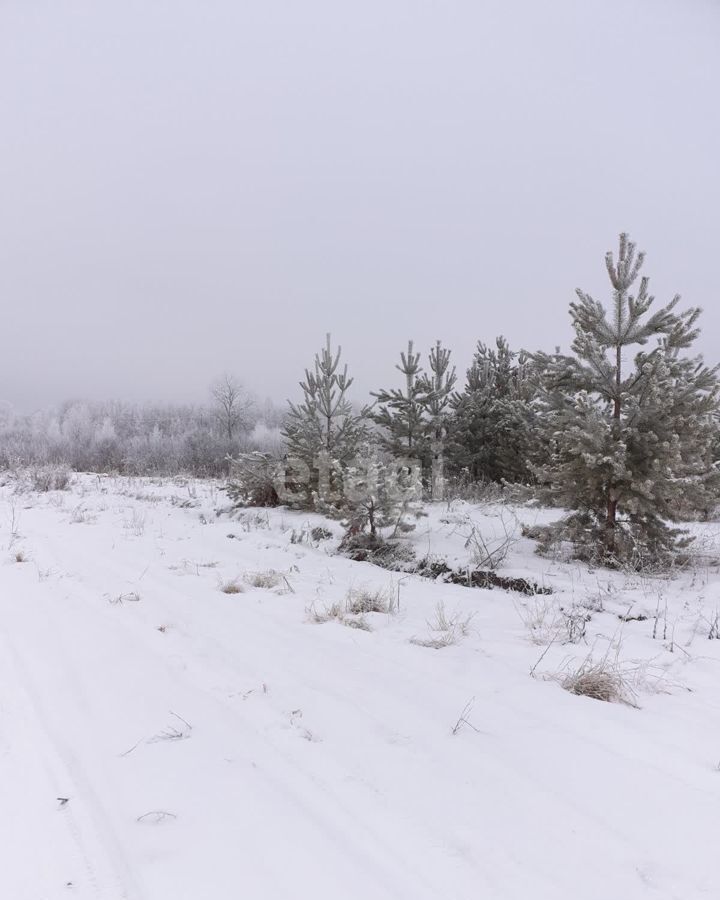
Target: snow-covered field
[161, 739]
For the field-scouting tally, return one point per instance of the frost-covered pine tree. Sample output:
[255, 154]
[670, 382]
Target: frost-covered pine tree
[632, 436]
[401, 414]
[438, 385]
[493, 432]
[323, 433]
[378, 494]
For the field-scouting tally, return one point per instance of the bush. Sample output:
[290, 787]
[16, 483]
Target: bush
[365, 547]
[252, 480]
[637, 545]
[48, 478]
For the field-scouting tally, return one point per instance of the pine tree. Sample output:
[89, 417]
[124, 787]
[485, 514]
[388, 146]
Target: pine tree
[438, 387]
[254, 479]
[402, 414]
[323, 433]
[631, 438]
[378, 494]
[493, 432]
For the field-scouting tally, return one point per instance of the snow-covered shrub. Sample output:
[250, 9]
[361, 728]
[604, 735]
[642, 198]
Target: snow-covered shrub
[253, 480]
[48, 478]
[380, 494]
[365, 547]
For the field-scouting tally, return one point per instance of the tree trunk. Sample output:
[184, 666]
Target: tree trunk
[610, 522]
[612, 503]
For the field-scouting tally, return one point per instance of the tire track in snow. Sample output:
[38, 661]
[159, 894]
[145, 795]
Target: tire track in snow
[381, 829]
[307, 781]
[85, 817]
[279, 770]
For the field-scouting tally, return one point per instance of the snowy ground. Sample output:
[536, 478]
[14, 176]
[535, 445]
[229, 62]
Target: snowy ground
[214, 745]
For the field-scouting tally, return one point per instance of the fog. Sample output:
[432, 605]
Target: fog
[193, 187]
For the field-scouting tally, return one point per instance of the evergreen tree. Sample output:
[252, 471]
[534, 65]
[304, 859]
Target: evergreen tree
[493, 430]
[631, 438]
[438, 386]
[402, 414]
[378, 494]
[322, 433]
[254, 479]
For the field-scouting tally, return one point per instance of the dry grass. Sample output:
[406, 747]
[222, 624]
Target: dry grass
[595, 681]
[601, 679]
[359, 602]
[144, 497]
[135, 523]
[491, 553]
[363, 600]
[253, 521]
[435, 643]
[156, 816]
[267, 580]
[319, 617]
[574, 623]
[359, 622]
[446, 630]
[180, 730]
[129, 597]
[548, 623]
[232, 586]
[338, 613]
[80, 516]
[48, 478]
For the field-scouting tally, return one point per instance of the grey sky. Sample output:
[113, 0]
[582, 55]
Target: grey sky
[189, 187]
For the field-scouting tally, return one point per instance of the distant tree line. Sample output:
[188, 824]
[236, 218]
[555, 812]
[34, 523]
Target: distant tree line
[143, 439]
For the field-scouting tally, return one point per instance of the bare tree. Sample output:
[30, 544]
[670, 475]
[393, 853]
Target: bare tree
[233, 405]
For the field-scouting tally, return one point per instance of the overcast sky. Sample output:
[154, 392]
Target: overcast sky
[192, 186]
